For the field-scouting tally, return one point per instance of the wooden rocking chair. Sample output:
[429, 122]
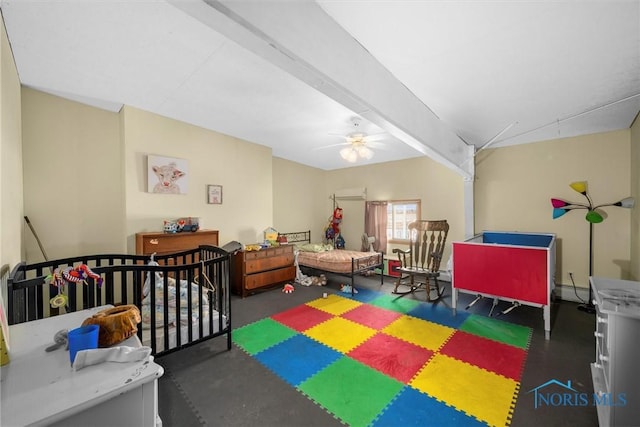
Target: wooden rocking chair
[420, 264]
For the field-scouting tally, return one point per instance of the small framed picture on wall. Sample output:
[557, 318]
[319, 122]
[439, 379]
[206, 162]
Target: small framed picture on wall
[214, 194]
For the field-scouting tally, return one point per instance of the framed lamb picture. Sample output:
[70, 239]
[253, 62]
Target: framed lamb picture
[167, 175]
[214, 194]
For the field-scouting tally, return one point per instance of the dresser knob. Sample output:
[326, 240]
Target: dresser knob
[598, 334]
[604, 358]
[602, 319]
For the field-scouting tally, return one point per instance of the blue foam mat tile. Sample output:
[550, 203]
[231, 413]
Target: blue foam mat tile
[363, 295]
[297, 358]
[439, 314]
[412, 408]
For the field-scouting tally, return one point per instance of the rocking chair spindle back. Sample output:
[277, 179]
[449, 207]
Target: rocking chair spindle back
[420, 264]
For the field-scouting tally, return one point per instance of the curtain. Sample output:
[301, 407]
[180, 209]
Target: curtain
[375, 223]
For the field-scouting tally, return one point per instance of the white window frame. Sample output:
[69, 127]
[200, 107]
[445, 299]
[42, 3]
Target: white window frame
[401, 223]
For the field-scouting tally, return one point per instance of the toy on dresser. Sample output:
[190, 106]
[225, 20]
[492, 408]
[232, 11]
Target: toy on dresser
[181, 225]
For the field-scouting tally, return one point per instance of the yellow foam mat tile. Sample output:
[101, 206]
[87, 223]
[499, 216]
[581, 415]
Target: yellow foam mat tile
[419, 332]
[334, 304]
[447, 379]
[340, 334]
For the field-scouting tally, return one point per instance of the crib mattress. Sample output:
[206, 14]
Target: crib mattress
[338, 261]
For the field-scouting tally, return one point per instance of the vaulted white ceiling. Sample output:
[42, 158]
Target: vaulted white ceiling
[437, 78]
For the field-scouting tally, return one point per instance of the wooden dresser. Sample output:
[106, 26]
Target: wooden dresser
[166, 243]
[254, 270]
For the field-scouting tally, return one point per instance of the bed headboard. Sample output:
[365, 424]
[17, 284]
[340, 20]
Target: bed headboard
[298, 236]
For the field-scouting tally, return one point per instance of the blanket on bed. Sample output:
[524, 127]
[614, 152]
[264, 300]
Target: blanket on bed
[314, 247]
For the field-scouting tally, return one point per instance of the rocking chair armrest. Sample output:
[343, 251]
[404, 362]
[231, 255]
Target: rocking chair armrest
[402, 251]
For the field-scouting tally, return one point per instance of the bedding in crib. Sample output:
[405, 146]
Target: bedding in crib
[177, 296]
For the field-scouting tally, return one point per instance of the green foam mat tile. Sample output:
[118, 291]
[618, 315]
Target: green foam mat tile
[260, 335]
[353, 392]
[497, 330]
[395, 303]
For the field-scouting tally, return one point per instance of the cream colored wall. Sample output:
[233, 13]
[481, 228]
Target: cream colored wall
[299, 199]
[11, 213]
[514, 185]
[242, 168]
[85, 186]
[635, 192]
[73, 177]
[440, 190]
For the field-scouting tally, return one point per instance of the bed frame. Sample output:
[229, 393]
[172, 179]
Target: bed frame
[358, 265]
[123, 280]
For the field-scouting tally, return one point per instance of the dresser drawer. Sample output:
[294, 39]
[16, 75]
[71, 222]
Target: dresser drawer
[267, 278]
[267, 263]
[268, 253]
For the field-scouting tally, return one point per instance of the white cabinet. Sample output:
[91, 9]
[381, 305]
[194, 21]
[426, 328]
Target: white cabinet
[40, 388]
[615, 373]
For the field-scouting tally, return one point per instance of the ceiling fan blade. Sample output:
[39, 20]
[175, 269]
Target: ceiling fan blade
[376, 145]
[346, 137]
[330, 146]
[375, 137]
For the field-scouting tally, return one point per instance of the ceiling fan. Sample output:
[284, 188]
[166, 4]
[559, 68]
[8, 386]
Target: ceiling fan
[358, 143]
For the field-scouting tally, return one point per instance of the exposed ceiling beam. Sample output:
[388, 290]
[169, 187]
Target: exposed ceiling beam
[303, 40]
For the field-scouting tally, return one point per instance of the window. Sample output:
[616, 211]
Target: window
[400, 213]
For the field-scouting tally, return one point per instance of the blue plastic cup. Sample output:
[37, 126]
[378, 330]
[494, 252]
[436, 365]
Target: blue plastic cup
[82, 338]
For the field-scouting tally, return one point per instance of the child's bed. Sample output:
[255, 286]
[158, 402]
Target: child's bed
[189, 292]
[319, 257]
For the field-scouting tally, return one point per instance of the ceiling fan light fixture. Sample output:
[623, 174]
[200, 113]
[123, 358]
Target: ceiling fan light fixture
[365, 152]
[349, 154]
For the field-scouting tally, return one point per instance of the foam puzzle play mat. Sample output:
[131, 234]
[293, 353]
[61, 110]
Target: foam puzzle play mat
[378, 360]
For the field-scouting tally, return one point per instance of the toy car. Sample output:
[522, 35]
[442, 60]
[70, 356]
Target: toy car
[170, 227]
[188, 224]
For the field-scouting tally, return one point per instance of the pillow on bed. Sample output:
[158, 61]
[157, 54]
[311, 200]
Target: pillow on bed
[315, 247]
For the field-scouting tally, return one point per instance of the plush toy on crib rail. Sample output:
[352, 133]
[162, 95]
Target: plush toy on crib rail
[68, 275]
